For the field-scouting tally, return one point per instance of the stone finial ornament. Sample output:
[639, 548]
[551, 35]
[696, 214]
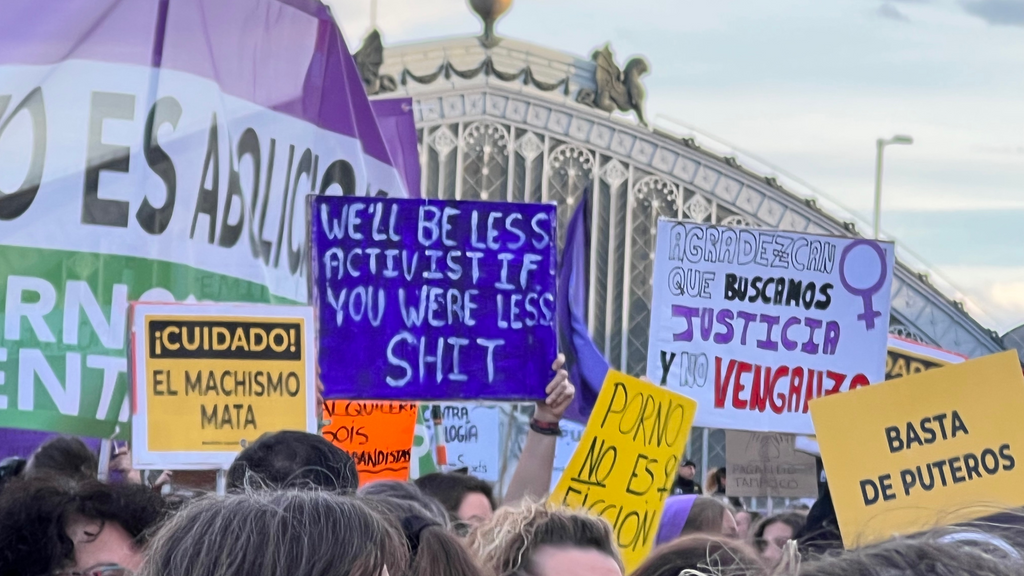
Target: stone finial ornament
[489, 11]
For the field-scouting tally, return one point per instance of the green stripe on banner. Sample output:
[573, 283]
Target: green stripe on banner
[63, 364]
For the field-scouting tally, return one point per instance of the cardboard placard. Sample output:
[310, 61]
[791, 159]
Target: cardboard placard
[211, 378]
[626, 461]
[767, 464]
[378, 436]
[926, 450]
[472, 438]
[755, 323]
[434, 300]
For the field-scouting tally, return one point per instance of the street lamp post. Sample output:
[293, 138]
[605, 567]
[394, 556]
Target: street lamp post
[881, 143]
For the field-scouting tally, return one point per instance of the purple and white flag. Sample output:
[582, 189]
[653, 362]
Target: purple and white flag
[159, 150]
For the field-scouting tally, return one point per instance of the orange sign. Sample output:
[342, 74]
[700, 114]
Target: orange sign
[378, 435]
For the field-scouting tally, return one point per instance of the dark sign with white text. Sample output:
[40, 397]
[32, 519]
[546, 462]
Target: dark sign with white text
[433, 300]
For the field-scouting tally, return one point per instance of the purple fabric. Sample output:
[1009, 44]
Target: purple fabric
[366, 122]
[398, 127]
[433, 299]
[24, 442]
[586, 366]
[253, 49]
[673, 518]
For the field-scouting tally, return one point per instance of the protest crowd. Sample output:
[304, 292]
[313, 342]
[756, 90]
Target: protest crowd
[294, 506]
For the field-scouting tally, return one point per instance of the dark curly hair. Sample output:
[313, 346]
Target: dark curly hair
[33, 513]
[290, 459]
[63, 456]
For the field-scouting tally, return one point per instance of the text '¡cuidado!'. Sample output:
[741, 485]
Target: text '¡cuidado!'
[941, 473]
[224, 340]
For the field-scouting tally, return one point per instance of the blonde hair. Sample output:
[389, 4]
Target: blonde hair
[506, 544]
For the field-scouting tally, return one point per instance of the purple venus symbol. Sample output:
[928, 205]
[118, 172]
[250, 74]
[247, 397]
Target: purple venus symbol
[865, 294]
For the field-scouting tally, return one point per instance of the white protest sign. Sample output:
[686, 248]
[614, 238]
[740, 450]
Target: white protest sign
[753, 324]
[472, 438]
[568, 440]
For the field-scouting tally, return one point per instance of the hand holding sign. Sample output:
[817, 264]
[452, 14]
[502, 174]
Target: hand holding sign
[560, 394]
[626, 461]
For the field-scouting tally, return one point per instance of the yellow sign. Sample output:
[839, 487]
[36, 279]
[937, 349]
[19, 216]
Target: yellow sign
[906, 358]
[925, 450]
[211, 378]
[626, 461]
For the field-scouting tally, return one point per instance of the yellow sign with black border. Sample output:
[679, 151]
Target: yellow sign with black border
[210, 379]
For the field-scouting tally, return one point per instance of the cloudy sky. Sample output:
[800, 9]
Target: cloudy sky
[808, 85]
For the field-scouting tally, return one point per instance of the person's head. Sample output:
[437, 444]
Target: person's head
[687, 469]
[710, 516]
[63, 456]
[278, 533]
[434, 550]
[427, 506]
[715, 481]
[468, 499]
[704, 554]
[52, 525]
[918, 557]
[771, 534]
[293, 460]
[533, 540]
[745, 519]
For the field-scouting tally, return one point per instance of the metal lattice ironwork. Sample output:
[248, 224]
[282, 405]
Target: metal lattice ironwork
[494, 161]
[572, 171]
[484, 162]
[491, 159]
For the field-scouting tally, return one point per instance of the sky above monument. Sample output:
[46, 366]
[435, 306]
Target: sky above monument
[808, 86]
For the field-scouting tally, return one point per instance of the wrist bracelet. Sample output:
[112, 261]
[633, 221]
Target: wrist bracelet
[545, 428]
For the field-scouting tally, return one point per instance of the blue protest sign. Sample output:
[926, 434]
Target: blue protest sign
[433, 300]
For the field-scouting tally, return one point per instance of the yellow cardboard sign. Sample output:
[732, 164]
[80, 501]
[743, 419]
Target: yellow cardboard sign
[626, 461]
[926, 450]
[211, 378]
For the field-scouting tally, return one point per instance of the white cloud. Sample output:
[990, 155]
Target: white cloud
[403, 20]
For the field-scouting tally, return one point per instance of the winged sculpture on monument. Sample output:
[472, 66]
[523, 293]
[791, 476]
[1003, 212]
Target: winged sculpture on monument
[616, 89]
